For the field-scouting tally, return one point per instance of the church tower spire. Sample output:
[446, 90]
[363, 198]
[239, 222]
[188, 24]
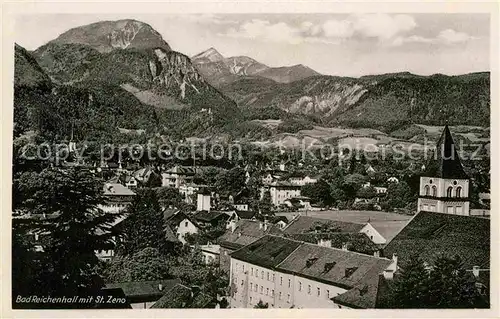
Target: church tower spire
[444, 187]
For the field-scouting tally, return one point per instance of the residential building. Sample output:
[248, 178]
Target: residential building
[203, 202]
[181, 296]
[241, 206]
[116, 197]
[142, 294]
[189, 189]
[211, 253]
[303, 180]
[286, 273]
[211, 218]
[188, 225]
[280, 191]
[444, 188]
[382, 232]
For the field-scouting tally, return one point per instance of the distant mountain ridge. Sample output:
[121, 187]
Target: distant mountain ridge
[220, 70]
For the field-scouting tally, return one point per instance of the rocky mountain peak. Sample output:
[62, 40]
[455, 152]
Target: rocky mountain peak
[207, 56]
[106, 36]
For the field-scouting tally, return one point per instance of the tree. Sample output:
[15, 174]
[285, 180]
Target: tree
[146, 264]
[446, 284]
[367, 192]
[230, 182]
[144, 226]
[261, 305]
[77, 231]
[399, 195]
[265, 204]
[319, 192]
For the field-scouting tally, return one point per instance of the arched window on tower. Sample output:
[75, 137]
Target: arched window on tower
[449, 191]
[458, 192]
[427, 190]
[434, 190]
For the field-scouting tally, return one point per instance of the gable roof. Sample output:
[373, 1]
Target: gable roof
[269, 251]
[143, 289]
[180, 296]
[447, 163]
[356, 242]
[433, 234]
[245, 233]
[116, 189]
[248, 214]
[388, 229]
[306, 224]
[210, 216]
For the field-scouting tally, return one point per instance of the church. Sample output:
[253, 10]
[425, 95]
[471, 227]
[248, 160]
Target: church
[444, 187]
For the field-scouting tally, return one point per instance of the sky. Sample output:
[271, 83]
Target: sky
[332, 44]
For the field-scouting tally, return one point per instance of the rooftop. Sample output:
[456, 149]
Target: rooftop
[142, 289]
[389, 229]
[116, 189]
[245, 233]
[435, 234]
[306, 224]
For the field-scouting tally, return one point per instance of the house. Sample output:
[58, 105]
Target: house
[280, 191]
[306, 224]
[189, 189]
[444, 186]
[370, 169]
[177, 176]
[286, 273]
[241, 206]
[116, 197]
[300, 203]
[211, 218]
[380, 190]
[238, 215]
[181, 296]
[203, 202]
[142, 294]
[143, 175]
[241, 233]
[211, 253]
[187, 225]
[393, 179]
[303, 180]
[125, 179]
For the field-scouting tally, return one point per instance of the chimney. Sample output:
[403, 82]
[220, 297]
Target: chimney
[475, 271]
[232, 225]
[265, 224]
[376, 253]
[261, 225]
[344, 247]
[395, 259]
[160, 287]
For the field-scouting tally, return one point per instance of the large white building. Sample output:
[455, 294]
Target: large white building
[285, 273]
[445, 186]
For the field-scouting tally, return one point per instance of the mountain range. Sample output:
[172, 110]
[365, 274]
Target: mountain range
[219, 70]
[123, 74]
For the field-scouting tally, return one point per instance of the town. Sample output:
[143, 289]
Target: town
[264, 235]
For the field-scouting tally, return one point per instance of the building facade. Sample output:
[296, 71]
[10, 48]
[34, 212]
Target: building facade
[444, 188]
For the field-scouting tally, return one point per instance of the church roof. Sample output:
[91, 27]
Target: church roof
[446, 162]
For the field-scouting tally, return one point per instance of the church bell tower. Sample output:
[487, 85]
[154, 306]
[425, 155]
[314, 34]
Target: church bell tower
[444, 187]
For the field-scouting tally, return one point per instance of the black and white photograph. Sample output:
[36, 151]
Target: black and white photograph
[272, 160]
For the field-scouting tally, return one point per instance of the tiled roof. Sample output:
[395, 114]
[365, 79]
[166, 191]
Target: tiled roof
[180, 296]
[305, 224]
[269, 251]
[357, 242]
[207, 217]
[358, 273]
[170, 234]
[116, 189]
[245, 214]
[246, 232]
[138, 289]
[434, 234]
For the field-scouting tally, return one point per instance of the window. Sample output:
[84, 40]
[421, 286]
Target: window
[242, 281]
[280, 295]
[458, 192]
[449, 191]
[434, 190]
[186, 224]
[267, 291]
[289, 283]
[449, 209]
[319, 291]
[268, 275]
[327, 294]
[251, 271]
[273, 277]
[300, 286]
[262, 274]
[427, 190]
[458, 210]
[272, 293]
[251, 286]
[250, 299]
[309, 289]
[288, 298]
[261, 289]
[426, 208]
[243, 267]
